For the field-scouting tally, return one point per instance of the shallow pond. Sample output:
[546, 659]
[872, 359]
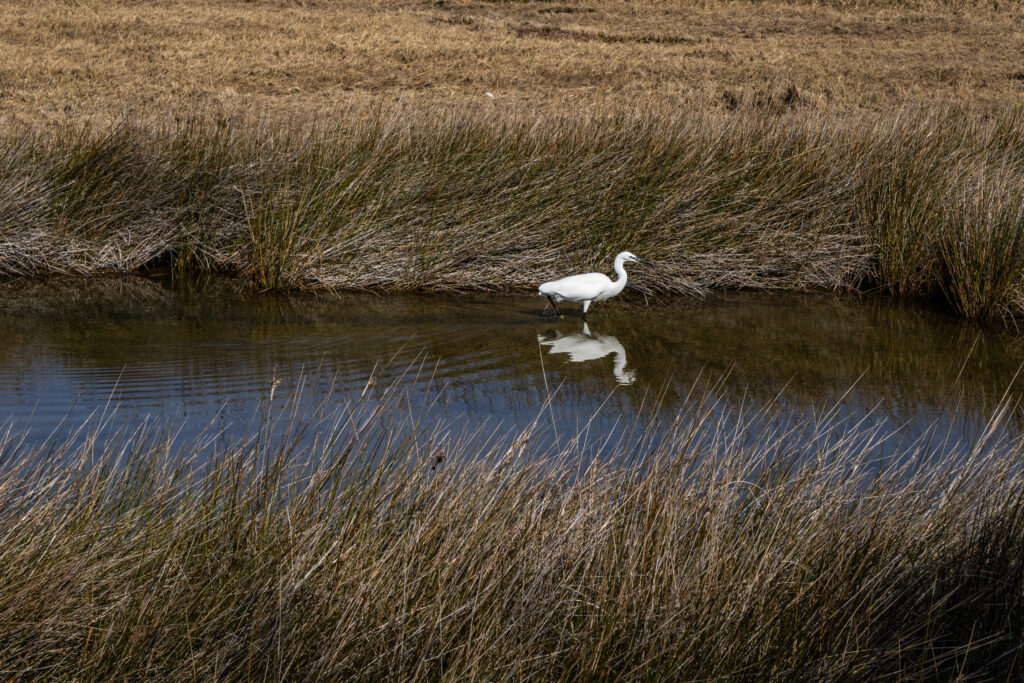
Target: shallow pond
[136, 349]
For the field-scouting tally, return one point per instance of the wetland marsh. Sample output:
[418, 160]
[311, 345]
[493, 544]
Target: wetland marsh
[275, 403]
[207, 356]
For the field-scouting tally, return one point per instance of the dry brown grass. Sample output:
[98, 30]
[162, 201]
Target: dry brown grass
[363, 543]
[67, 60]
[924, 205]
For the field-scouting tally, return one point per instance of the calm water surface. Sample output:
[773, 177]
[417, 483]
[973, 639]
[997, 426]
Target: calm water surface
[138, 350]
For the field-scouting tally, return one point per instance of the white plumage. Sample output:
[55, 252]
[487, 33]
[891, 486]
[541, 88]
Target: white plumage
[588, 287]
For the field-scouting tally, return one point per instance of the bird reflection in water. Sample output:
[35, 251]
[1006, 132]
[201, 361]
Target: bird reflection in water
[586, 346]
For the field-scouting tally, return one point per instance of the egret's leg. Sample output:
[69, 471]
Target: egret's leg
[557, 312]
[586, 305]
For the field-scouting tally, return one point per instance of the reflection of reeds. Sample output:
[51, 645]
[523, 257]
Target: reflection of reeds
[362, 544]
[924, 204]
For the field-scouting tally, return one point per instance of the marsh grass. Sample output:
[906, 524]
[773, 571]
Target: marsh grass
[362, 542]
[983, 245]
[921, 204]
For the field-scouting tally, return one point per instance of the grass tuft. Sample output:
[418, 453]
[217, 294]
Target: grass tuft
[922, 204]
[360, 542]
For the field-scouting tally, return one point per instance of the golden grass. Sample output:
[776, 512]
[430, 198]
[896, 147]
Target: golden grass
[71, 60]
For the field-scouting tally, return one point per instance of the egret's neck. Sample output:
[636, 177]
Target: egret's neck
[620, 270]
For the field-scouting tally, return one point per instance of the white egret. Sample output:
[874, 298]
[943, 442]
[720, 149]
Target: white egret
[586, 346]
[588, 287]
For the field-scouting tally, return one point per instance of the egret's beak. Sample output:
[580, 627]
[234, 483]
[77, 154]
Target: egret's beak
[645, 262]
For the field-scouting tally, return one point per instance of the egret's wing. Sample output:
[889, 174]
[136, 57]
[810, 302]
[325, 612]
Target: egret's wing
[577, 287]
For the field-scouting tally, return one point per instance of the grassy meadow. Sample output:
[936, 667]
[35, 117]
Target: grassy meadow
[69, 60]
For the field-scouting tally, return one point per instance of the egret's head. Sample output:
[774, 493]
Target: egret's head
[630, 257]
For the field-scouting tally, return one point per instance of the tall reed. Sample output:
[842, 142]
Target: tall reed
[922, 203]
[360, 542]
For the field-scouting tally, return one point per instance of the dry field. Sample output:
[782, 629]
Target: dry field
[63, 61]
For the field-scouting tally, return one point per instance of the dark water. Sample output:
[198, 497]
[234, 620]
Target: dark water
[138, 350]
